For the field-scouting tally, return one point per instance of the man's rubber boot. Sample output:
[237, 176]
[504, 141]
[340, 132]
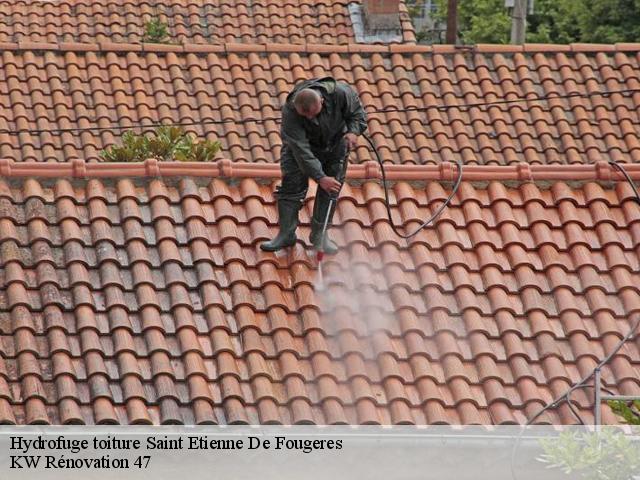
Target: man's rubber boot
[288, 218]
[320, 206]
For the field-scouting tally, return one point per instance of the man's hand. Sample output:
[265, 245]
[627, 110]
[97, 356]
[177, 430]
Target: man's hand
[330, 185]
[352, 140]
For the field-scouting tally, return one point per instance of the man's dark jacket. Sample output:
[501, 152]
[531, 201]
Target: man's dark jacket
[341, 113]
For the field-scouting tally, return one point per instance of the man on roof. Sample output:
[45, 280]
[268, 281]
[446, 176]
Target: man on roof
[321, 121]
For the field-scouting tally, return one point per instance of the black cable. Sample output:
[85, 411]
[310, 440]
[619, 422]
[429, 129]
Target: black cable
[377, 111]
[626, 175]
[536, 98]
[574, 412]
[604, 389]
[565, 397]
[395, 229]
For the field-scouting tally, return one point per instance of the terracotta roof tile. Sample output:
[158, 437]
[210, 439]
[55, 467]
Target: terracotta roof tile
[149, 302]
[117, 88]
[192, 22]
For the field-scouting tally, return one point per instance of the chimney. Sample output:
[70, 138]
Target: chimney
[382, 14]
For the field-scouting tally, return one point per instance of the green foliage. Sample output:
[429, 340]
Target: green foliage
[628, 411]
[414, 10]
[133, 149]
[553, 21]
[423, 35]
[156, 31]
[605, 455]
[165, 144]
[203, 152]
[479, 21]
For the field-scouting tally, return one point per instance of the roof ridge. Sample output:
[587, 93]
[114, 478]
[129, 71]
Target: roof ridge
[446, 171]
[314, 47]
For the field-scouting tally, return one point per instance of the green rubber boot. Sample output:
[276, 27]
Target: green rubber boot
[288, 218]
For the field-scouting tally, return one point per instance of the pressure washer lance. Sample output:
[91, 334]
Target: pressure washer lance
[333, 198]
[320, 252]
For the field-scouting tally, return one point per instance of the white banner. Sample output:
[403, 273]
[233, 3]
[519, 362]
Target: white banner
[311, 452]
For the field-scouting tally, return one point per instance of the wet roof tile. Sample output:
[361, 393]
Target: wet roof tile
[46, 90]
[148, 301]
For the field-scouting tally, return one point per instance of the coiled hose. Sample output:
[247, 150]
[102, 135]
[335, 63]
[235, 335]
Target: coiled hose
[424, 224]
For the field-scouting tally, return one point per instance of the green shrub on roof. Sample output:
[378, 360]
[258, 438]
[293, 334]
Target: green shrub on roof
[156, 31]
[165, 144]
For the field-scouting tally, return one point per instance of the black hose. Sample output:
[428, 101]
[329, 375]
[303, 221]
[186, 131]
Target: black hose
[388, 202]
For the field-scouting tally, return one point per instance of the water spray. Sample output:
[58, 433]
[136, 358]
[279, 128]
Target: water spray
[320, 252]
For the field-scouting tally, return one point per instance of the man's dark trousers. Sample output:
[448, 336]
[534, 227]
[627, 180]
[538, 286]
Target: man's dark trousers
[295, 183]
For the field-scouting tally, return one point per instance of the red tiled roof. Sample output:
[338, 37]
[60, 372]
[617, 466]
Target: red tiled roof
[189, 21]
[58, 86]
[149, 301]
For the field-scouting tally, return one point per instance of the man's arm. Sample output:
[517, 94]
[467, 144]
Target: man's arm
[296, 138]
[354, 115]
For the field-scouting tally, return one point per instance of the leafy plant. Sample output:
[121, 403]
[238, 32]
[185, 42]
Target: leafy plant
[604, 455]
[156, 31]
[133, 149]
[166, 143]
[204, 151]
[628, 411]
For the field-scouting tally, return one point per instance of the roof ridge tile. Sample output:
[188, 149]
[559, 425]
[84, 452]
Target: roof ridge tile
[545, 47]
[625, 47]
[203, 48]
[444, 48]
[592, 47]
[27, 45]
[119, 47]
[366, 48]
[326, 48]
[161, 47]
[409, 48]
[8, 45]
[446, 171]
[244, 47]
[285, 47]
[494, 48]
[362, 48]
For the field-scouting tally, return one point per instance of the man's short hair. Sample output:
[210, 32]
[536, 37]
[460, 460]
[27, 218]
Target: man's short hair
[306, 99]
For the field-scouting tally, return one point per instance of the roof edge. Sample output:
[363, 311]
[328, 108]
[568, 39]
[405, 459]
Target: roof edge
[446, 171]
[228, 48]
